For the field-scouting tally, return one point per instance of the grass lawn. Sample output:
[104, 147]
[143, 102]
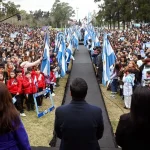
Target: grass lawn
[114, 107]
[40, 130]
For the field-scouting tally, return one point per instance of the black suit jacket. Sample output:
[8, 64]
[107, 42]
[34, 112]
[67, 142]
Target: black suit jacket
[79, 125]
[130, 136]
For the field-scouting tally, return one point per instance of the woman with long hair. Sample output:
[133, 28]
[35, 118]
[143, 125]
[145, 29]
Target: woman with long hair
[134, 128]
[12, 132]
[132, 65]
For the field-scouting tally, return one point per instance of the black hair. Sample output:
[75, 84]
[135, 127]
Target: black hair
[52, 67]
[148, 72]
[140, 106]
[18, 70]
[78, 89]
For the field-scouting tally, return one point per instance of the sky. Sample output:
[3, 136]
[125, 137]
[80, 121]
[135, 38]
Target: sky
[84, 6]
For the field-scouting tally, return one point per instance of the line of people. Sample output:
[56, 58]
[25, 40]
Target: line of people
[132, 67]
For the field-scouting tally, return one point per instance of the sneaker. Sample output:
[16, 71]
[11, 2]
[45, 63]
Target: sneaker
[113, 92]
[53, 94]
[23, 114]
[112, 95]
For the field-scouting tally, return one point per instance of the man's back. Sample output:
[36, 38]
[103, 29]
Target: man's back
[79, 125]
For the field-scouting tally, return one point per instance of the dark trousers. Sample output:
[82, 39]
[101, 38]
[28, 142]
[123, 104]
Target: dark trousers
[67, 66]
[51, 88]
[99, 75]
[18, 103]
[114, 85]
[39, 99]
[22, 97]
[30, 102]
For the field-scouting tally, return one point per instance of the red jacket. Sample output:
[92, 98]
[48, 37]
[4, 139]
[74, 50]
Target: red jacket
[52, 77]
[28, 86]
[14, 86]
[40, 80]
[20, 79]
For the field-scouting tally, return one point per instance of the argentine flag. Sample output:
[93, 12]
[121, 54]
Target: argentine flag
[97, 42]
[110, 54]
[76, 42]
[85, 38]
[109, 59]
[70, 47]
[45, 65]
[61, 58]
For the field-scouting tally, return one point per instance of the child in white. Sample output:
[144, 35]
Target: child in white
[128, 80]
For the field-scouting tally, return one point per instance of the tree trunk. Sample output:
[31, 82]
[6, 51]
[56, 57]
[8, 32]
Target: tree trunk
[114, 24]
[124, 25]
[118, 23]
[110, 23]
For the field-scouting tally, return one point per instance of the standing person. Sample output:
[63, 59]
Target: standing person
[114, 78]
[20, 78]
[2, 70]
[134, 128]
[41, 85]
[79, 125]
[29, 88]
[52, 80]
[12, 132]
[128, 80]
[14, 86]
[99, 64]
[68, 57]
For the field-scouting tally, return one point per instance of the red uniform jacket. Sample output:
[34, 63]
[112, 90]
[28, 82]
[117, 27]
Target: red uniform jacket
[52, 77]
[40, 80]
[14, 86]
[29, 86]
[20, 79]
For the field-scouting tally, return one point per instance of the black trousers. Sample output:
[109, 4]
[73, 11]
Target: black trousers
[18, 103]
[30, 102]
[99, 75]
[51, 88]
[39, 99]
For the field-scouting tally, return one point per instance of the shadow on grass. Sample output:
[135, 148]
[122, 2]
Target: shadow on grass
[114, 106]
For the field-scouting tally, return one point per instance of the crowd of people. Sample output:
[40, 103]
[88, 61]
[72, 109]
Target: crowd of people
[21, 53]
[132, 67]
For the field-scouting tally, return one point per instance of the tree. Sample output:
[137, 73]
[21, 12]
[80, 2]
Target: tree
[11, 8]
[124, 11]
[61, 13]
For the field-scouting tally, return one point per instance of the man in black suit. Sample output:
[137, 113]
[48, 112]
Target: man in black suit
[79, 125]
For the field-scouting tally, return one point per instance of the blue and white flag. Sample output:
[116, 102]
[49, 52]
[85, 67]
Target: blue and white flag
[110, 54]
[64, 64]
[70, 47]
[45, 65]
[68, 38]
[86, 37]
[97, 42]
[109, 59]
[76, 41]
[61, 57]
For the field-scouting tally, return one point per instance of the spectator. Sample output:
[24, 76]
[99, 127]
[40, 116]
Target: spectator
[133, 129]
[12, 132]
[74, 124]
